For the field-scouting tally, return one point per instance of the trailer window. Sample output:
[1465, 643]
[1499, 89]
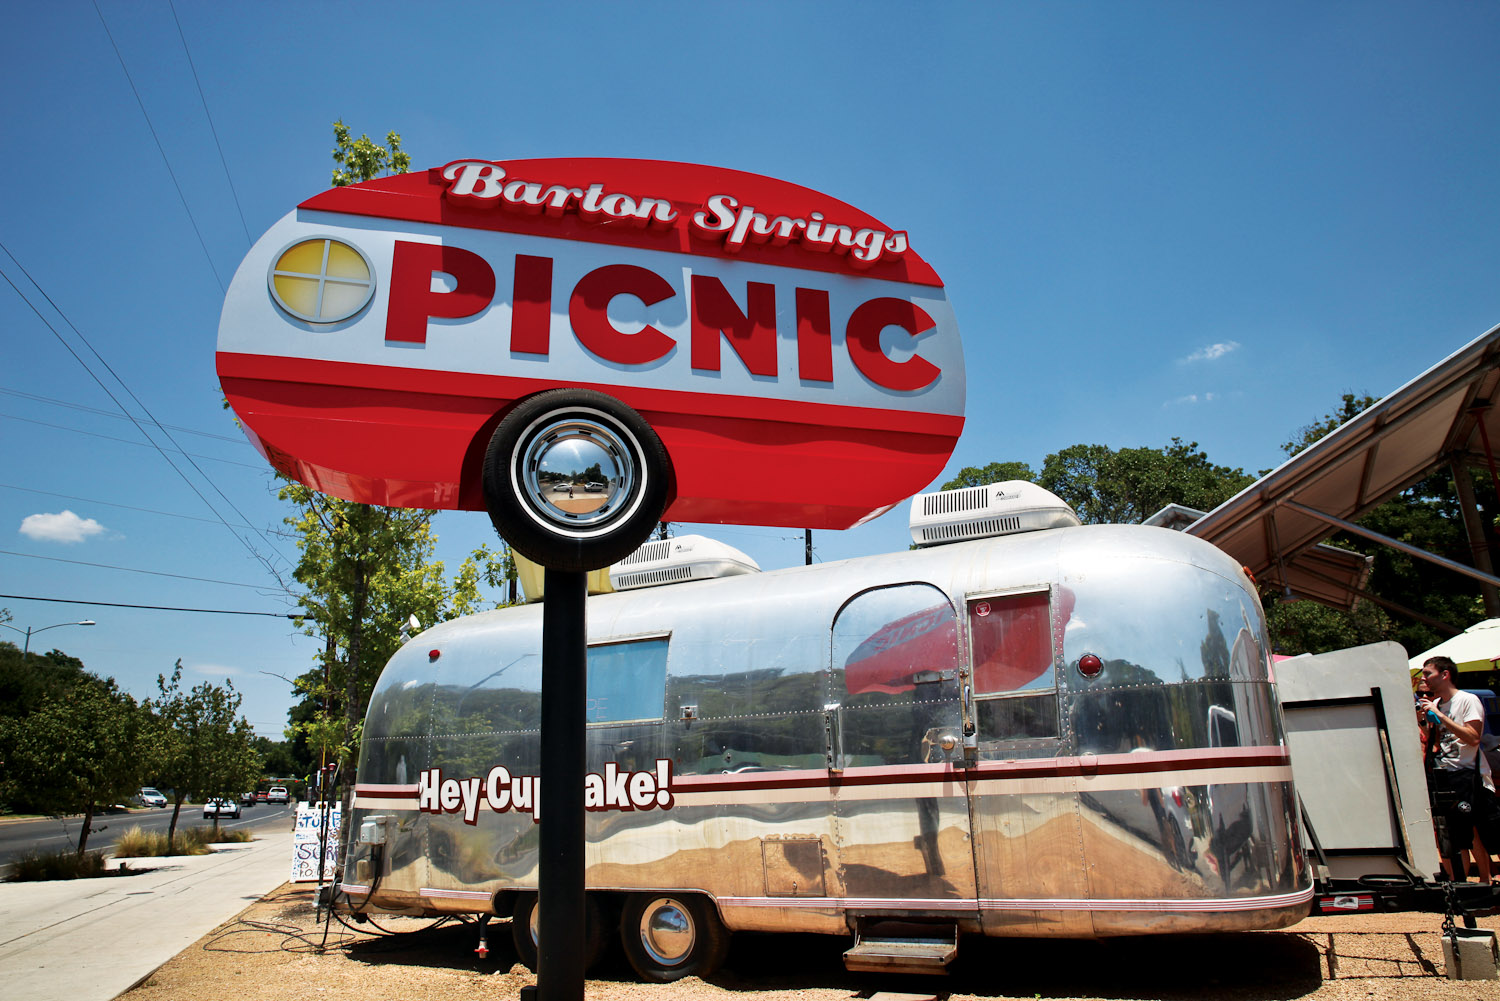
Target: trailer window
[627, 681]
[889, 640]
[1011, 648]
[1011, 639]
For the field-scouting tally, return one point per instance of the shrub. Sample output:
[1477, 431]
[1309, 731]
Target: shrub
[136, 843]
[60, 865]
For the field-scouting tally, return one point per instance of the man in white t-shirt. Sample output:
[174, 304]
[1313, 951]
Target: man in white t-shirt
[1463, 794]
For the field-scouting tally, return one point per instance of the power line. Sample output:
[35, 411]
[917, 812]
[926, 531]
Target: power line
[103, 503]
[154, 573]
[211, 129]
[153, 608]
[232, 439]
[168, 163]
[69, 348]
[126, 441]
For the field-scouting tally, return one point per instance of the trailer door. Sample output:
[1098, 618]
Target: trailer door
[900, 810]
[1027, 844]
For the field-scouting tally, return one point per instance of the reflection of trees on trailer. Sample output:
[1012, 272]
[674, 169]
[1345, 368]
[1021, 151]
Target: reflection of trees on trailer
[1062, 732]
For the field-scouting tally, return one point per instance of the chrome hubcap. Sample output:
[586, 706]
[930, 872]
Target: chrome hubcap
[667, 932]
[576, 474]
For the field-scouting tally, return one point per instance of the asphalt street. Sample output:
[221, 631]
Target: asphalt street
[50, 834]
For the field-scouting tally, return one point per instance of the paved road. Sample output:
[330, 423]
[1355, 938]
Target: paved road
[48, 834]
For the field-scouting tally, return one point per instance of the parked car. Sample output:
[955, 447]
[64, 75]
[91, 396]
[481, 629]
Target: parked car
[150, 797]
[221, 808]
[278, 794]
[247, 799]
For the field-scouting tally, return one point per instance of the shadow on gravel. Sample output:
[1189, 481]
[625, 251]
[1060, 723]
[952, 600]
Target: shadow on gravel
[1251, 967]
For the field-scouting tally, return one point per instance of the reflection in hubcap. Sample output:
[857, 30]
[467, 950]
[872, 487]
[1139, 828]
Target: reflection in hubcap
[576, 473]
[667, 931]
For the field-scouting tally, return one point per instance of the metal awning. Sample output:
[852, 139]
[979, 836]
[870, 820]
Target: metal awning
[1275, 525]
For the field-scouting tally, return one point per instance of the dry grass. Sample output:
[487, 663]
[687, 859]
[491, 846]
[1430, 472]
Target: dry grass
[65, 864]
[136, 843]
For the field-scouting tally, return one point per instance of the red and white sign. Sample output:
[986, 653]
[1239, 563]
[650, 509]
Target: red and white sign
[798, 359]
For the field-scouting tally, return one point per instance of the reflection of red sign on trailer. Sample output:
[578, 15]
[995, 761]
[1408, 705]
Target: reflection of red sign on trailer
[797, 359]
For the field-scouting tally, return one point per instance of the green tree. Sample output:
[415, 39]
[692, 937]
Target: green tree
[76, 751]
[199, 744]
[1109, 486]
[995, 472]
[365, 569]
[363, 159]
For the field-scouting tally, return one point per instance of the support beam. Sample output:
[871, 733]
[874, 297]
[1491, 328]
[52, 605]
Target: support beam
[1386, 540]
[1479, 544]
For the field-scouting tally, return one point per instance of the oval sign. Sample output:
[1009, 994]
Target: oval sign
[797, 358]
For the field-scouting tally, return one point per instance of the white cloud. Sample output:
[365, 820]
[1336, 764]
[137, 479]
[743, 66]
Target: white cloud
[1190, 399]
[1213, 351]
[64, 527]
[214, 670]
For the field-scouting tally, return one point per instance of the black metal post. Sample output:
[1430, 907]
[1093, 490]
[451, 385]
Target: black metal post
[559, 975]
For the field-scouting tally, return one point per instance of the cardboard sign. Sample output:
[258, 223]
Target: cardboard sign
[796, 356]
[307, 843]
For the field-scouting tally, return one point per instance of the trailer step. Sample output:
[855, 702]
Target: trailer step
[902, 947]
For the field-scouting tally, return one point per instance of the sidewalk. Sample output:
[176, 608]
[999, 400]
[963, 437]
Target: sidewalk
[94, 939]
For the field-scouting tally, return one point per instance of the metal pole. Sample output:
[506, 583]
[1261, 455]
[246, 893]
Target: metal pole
[27, 648]
[559, 976]
[807, 546]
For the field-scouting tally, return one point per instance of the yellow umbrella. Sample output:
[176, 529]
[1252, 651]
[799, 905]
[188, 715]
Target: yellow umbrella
[1477, 648]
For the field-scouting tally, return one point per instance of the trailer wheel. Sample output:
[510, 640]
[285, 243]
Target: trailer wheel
[671, 936]
[574, 479]
[523, 931]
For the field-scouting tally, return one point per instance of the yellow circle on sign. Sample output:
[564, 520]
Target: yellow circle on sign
[322, 280]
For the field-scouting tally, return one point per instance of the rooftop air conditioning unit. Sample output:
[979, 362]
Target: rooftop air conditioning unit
[982, 512]
[670, 561]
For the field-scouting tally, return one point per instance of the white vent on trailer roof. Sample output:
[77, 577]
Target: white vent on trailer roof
[982, 512]
[669, 561]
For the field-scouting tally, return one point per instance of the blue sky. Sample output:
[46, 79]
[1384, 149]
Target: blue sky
[1153, 219]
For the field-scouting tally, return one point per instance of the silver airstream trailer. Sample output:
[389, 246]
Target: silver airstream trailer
[1023, 727]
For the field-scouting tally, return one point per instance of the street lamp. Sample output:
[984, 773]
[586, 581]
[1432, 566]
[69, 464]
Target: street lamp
[28, 631]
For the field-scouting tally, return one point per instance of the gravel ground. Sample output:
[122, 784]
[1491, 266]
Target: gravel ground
[277, 949]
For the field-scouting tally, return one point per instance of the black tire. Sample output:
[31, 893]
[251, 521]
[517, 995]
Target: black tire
[523, 931]
[543, 531]
[668, 936]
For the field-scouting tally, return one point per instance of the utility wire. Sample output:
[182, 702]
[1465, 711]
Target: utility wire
[154, 573]
[127, 441]
[170, 172]
[263, 560]
[104, 503]
[154, 608]
[210, 118]
[232, 439]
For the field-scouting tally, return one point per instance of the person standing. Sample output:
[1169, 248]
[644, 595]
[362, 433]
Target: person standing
[1463, 795]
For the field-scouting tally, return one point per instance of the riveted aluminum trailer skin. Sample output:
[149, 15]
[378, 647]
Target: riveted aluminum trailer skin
[913, 735]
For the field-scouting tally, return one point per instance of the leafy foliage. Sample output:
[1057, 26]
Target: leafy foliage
[365, 569]
[75, 752]
[1110, 486]
[363, 159]
[201, 747]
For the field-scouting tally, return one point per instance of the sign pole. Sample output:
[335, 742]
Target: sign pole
[559, 975]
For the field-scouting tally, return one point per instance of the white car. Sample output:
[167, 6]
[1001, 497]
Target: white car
[278, 794]
[150, 797]
[221, 808]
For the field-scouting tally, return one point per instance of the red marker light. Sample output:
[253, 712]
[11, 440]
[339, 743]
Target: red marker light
[434, 654]
[1089, 665]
